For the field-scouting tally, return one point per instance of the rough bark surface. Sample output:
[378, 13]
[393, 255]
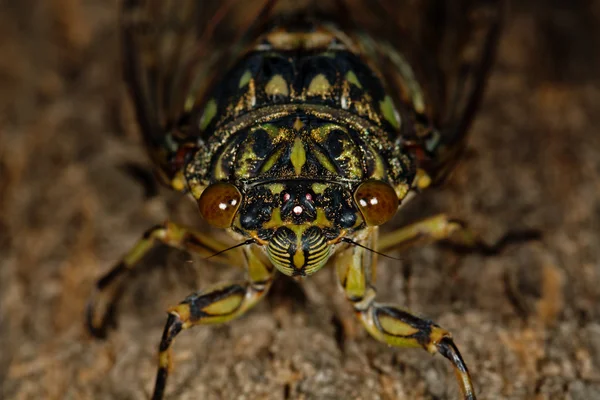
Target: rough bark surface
[526, 321]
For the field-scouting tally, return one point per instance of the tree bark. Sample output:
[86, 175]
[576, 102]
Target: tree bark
[526, 321]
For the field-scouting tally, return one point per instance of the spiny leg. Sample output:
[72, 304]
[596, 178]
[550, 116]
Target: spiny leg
[216, 305]
[453, 234]
[388, 323]
[102, 303]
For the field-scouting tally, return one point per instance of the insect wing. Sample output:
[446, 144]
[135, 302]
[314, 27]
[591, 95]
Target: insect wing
[443, 50]
[172, 50]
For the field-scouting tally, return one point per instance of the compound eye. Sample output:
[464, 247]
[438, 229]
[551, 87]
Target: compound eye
[218, 204]
[377, 202]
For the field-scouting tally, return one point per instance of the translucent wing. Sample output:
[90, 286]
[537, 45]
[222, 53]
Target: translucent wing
[172, 49]
[434, 55]
[445, 50]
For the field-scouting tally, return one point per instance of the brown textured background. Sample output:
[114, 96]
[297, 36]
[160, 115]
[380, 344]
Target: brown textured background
[527, 321]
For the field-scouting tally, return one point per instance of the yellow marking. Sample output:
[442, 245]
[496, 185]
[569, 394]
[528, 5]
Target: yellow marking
[196, 190]
[182, 311]
[379, 171]
[138, 252]
[356, 284]
[282, 40]
[422, 180]
[239, 107]
[275, 220]
[324, 160]
[351, 77]
[210, 110]
[318, 262]
[321, 133]
[389, 112]
[319, 188]
[298, 156]
[393, 326]
[351, 272]
[245, 79]
[164, 360]
[247, 161]
[224, 306]
[371, 327]
[219, 172]
[402, 190]
[251, 95]
[363, 107]
[319, 86]
[298, 124]
[299, 258]
[259, 268]
[299, 230]
[345, 100]
[271, 160]
[178, 181]
[321, 220]
[277, 86]
[276, 188]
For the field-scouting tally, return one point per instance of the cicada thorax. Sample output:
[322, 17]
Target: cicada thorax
[303, 103]
[298, 124]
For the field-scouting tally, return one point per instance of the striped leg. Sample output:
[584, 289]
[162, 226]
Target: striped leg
[388, 323]
[215, 305]
[101, 306]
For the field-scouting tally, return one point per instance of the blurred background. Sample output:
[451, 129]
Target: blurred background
[74, 196]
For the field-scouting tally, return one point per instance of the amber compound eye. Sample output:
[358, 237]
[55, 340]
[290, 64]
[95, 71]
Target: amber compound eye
[377, 202]
[218, 204]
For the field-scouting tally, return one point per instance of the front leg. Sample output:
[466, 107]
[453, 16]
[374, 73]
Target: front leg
[102, 303]
[216, 305]
[388, 323]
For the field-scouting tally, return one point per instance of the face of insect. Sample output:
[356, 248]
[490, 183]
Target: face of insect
[300, 220]
[311, 194]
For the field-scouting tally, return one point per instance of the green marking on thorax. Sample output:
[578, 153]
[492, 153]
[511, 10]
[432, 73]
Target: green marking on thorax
[352, 78]
[210, 110]
[245, 79]
[276, 188]
[298, 156]
[389, 112]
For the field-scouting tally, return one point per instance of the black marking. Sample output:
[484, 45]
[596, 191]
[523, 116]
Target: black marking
[111, 275]
[339, 333]
[257, 209]
[161, 382]
[298, 69]
[144, 176]
[296, 195]
[299, 272]
[262, 143]
[448, 349]
[423, 326]
[335, 142]
[198, 301]
[172, 329]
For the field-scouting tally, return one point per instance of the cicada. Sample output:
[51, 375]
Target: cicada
[301, 127]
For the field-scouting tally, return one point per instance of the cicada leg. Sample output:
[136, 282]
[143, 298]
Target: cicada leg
[388, 323]
[215, 305]
[454, 233]
[100, 308]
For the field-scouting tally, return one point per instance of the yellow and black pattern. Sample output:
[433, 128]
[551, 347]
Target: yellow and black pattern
[303, 62]
[300, 129]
